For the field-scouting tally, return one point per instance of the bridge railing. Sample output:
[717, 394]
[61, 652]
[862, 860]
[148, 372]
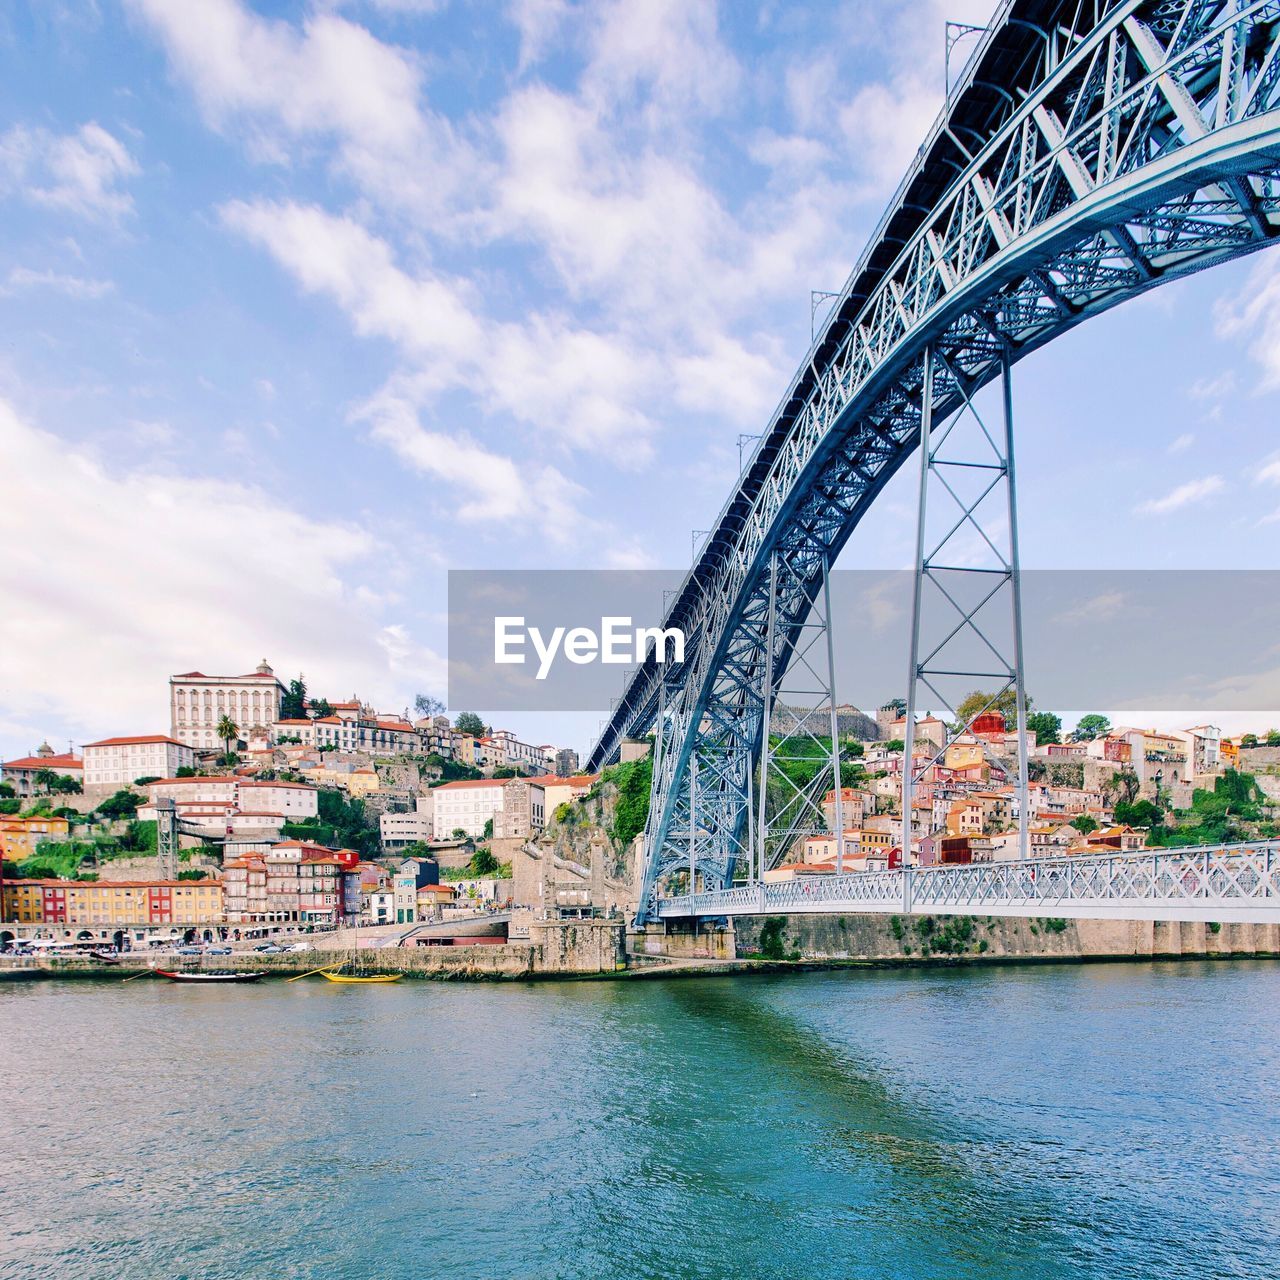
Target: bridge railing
[1200, 878]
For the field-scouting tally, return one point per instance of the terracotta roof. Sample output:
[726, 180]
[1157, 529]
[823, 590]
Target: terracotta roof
[203, 778]
[291, 786]
[478, 782]
[44, 762]
[125, 742]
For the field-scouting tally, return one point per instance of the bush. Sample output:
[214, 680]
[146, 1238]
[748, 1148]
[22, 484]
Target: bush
[633, 781]
[124, 804]
[772, 933]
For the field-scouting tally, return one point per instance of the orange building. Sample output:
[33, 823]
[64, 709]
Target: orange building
[113, 902]
[19, 837]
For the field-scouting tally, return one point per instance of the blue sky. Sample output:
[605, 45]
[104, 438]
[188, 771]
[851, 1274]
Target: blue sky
[304, 303]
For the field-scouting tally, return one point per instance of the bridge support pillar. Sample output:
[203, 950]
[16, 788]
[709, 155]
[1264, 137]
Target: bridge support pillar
[966, 614]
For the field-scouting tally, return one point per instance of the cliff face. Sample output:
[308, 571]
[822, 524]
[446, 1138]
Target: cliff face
[587, 835]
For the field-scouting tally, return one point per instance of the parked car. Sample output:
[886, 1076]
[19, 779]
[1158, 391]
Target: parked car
[269, 948]
[217, 949]
[190, 950]
[298, 946]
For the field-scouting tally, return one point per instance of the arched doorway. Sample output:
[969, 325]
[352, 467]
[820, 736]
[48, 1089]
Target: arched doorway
[118, 940]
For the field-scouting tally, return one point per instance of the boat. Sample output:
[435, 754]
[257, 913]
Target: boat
[336, 975]
[214, 975]
[104, 957]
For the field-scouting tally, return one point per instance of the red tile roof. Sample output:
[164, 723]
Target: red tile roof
[45, 762]
[126, 742]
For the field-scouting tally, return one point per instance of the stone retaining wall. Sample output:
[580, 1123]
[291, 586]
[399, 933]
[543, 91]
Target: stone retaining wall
[876, 937]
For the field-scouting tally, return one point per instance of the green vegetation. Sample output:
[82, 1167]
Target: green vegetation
[487, 833]
[469, 722]
[1091, 726]
[953, 936]
[293, 706]
[228, 731]
[633, 781]
[1231, 811]
[1046, 726]
[186, 771]
[1214, 926]
[482, 863]
[341, 823]
[451, 770]
[193, 873]
[895, 744]
[145, 781]
[124, 804]
[6, 790]
[320, 708]
[1249, 740]
[772, 940]
[1084, 824]
[563, 813]
[1054, 925]
[10, 804]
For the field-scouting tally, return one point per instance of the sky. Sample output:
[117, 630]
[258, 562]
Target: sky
[304, 304]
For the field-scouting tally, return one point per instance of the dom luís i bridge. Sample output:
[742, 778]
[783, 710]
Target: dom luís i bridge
[1089, 151]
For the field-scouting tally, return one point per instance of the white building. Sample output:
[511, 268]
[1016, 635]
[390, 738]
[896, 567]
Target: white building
[398, 831]
[466, 806]
[116, 762]
[197, 702]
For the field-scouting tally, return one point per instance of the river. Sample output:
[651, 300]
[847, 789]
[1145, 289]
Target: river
[1100, 1121]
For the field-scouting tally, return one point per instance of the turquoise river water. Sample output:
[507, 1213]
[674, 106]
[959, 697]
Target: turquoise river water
[1105, 1121]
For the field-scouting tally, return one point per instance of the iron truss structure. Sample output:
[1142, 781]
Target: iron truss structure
[1231, 883]
[1091, 150]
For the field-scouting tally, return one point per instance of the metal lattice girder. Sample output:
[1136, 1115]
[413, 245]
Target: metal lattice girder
[1089, 152]
[966, 613]
[1218, 883]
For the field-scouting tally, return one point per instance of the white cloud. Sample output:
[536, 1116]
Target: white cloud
[1269, 472]
[495, 489]
[1182, 443]
[1254, 315]
[79, 172]
[578, 387]
[330, 81]
[111, 580]
[21, 279]
[1184, 495]
[1213, 388]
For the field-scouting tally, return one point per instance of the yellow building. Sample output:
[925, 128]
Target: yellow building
[464, 748]
[963, 754]
[361, 782]
[22, 902]
[20, 836]
[117, 902]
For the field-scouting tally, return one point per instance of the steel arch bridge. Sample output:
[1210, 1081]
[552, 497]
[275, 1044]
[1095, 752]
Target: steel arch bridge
[1091, 150]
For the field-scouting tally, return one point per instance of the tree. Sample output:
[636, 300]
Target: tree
[459, 834]
[124, 804]
[185, 771]
[1249, 740]
[66, 785]
[320, 708]
[293, 705]
[1138, 813]
[228, 731]
[6, 791]
[469, 722]
[487, 833]
[1091, 726]
[1084, 824]
[1123, 782]
[1046, 726]
[895, 744]
[45, 778]
[428, 706]
[146, 780]
[482, 863]
[1273, 738]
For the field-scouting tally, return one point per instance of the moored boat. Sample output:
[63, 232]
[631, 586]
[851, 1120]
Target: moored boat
[334, 976]
[212, 976]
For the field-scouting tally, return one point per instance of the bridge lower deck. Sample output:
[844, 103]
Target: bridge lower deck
[1231, 883]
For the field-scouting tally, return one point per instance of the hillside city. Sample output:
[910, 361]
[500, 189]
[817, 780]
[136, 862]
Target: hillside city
[293, 813]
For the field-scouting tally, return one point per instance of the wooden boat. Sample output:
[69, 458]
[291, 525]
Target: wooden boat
[335, 975]
[212, 976]
[104, 957]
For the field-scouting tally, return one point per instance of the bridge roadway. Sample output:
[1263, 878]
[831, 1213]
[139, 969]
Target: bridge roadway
[1224, 883]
